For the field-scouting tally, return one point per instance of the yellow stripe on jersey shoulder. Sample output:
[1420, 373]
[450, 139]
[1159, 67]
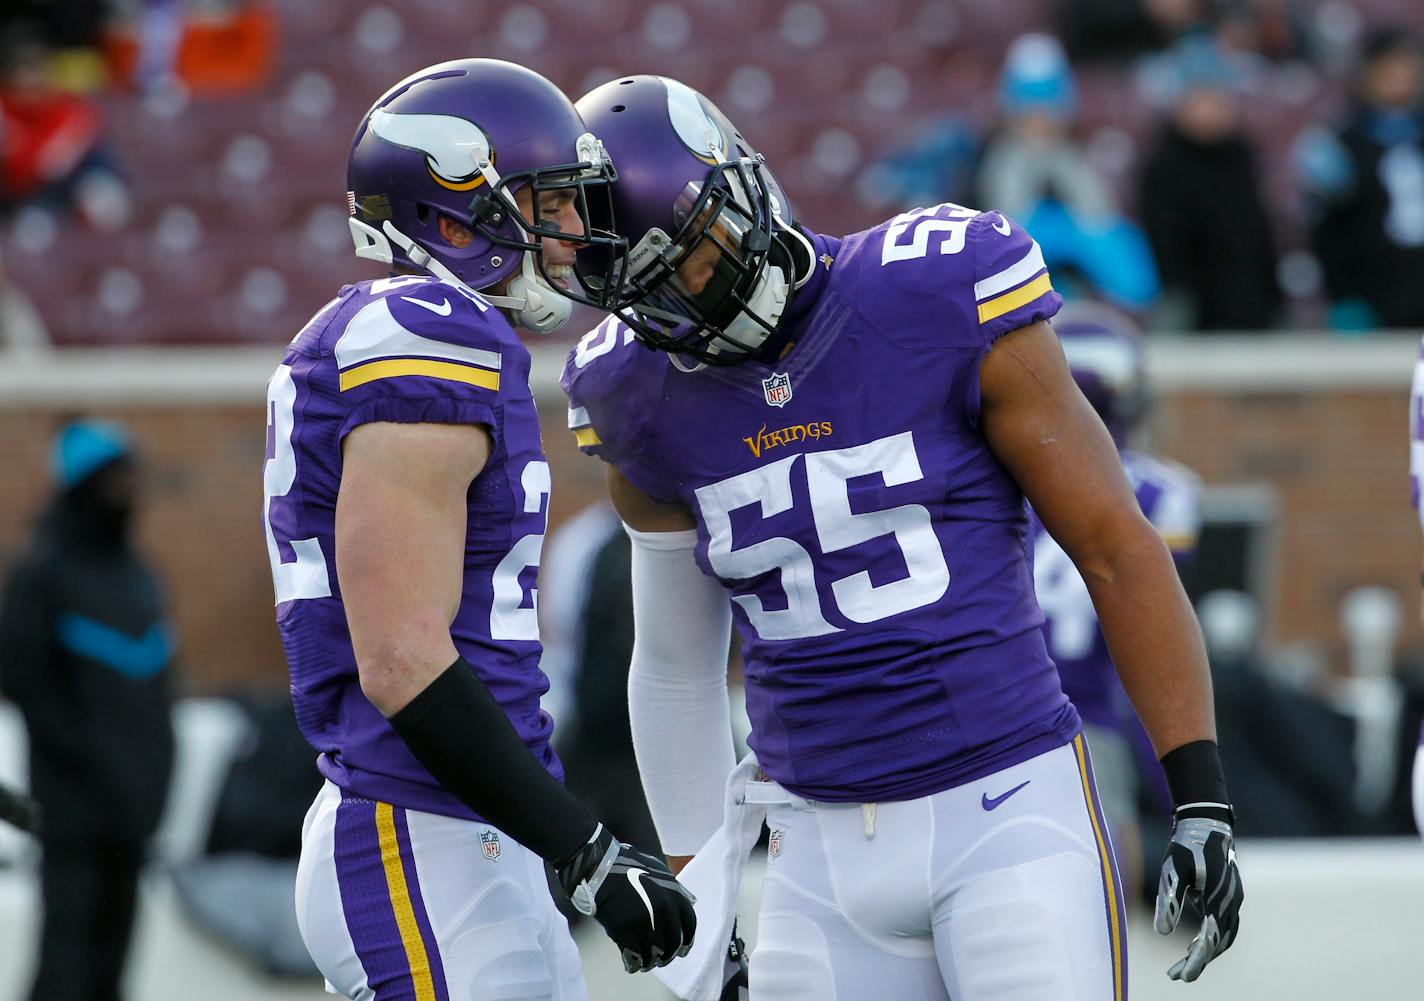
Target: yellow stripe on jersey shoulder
[1013, 300]
[587, 437]
[396, 367]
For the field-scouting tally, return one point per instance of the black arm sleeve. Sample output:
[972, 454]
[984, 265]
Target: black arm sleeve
[457, 730]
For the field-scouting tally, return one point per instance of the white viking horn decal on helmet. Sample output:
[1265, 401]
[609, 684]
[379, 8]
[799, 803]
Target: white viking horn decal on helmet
[457, 151]
[694, 126]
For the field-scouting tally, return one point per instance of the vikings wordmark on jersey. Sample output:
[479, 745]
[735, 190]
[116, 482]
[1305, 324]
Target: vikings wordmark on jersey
[876, 552]
[406, 350]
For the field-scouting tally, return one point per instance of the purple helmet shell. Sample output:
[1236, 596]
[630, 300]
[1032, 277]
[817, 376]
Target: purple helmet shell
[458, 139]
[688, 181]
[1104, 351]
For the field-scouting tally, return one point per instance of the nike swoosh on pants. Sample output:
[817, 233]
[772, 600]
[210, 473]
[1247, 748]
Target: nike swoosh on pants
[990, 804]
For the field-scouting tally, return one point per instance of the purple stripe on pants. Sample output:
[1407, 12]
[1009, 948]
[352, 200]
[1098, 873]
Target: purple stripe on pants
[366, 901]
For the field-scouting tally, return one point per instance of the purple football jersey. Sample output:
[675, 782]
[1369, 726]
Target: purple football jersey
[1169, 496]
[875, 551]
[408, 349]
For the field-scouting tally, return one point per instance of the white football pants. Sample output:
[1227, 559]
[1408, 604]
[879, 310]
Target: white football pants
[1004, 889]
[398, 905]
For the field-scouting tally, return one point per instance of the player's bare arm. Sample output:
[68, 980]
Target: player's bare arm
[400, 534]
[1044, 432]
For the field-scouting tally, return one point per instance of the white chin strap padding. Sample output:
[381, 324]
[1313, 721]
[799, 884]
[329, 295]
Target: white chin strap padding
[768, 301]
[371, 243]
[538, 307]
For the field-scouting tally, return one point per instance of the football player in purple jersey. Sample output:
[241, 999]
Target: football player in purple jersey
[840, 434]
[1416, 477]
[406, 494]
[1104, 353]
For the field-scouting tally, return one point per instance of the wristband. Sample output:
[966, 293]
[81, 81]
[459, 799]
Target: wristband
[1194, 775]
[460, 733]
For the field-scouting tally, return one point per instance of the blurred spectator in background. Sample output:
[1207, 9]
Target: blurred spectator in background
[1104, 353]
[1123, 29]
[85, 651]
[217, 48]
[1035, 169]
[935, 165]
[1200, 200]
[1365, 191]
[61, 24]
[52, 148]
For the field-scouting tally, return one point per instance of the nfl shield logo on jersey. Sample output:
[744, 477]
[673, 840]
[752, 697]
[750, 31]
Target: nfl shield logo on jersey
[777, 389]
[773, 843]
[490, 840]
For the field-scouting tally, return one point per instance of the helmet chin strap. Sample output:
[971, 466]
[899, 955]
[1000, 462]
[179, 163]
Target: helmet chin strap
[536, 307]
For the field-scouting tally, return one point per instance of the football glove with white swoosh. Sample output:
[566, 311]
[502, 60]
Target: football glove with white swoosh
[1200, 870]
[635, 897]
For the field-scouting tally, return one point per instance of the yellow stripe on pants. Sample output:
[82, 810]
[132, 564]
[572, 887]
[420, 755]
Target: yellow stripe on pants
[416, 958]
[1105, 857]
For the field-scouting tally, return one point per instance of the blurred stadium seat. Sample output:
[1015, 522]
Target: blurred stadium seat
[252, 172]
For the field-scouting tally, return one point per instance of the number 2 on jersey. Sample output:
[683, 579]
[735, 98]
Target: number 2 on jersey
[306, 576]
[828, 476]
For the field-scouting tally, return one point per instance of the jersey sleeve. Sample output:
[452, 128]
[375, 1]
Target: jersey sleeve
[614, 386]
[1012, 287]
[423, 355]
[951, 277]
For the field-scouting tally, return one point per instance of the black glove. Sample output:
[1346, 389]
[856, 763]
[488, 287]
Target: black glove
[634, 896]
[1200, 868]
[734, 970]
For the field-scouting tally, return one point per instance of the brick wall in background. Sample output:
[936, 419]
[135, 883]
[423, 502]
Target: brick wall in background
[1338, 461]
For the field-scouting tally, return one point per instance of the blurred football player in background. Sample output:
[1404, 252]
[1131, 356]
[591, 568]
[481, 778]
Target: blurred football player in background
[85, 654]
[1416, 489]
[406, 500]
[1104, 354]
[841, 433]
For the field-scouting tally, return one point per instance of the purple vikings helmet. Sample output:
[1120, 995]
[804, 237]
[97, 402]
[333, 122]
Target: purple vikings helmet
[1104, 351]
[458, 139]
[712, 259]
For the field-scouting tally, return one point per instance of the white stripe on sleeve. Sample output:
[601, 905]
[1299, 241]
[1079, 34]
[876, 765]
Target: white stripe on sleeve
[1017, 274]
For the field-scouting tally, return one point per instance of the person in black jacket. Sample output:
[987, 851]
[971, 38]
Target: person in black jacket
[1201, 204]
[1365, 191]
[85, 652]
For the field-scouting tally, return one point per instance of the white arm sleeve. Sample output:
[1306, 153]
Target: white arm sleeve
[677, 689]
